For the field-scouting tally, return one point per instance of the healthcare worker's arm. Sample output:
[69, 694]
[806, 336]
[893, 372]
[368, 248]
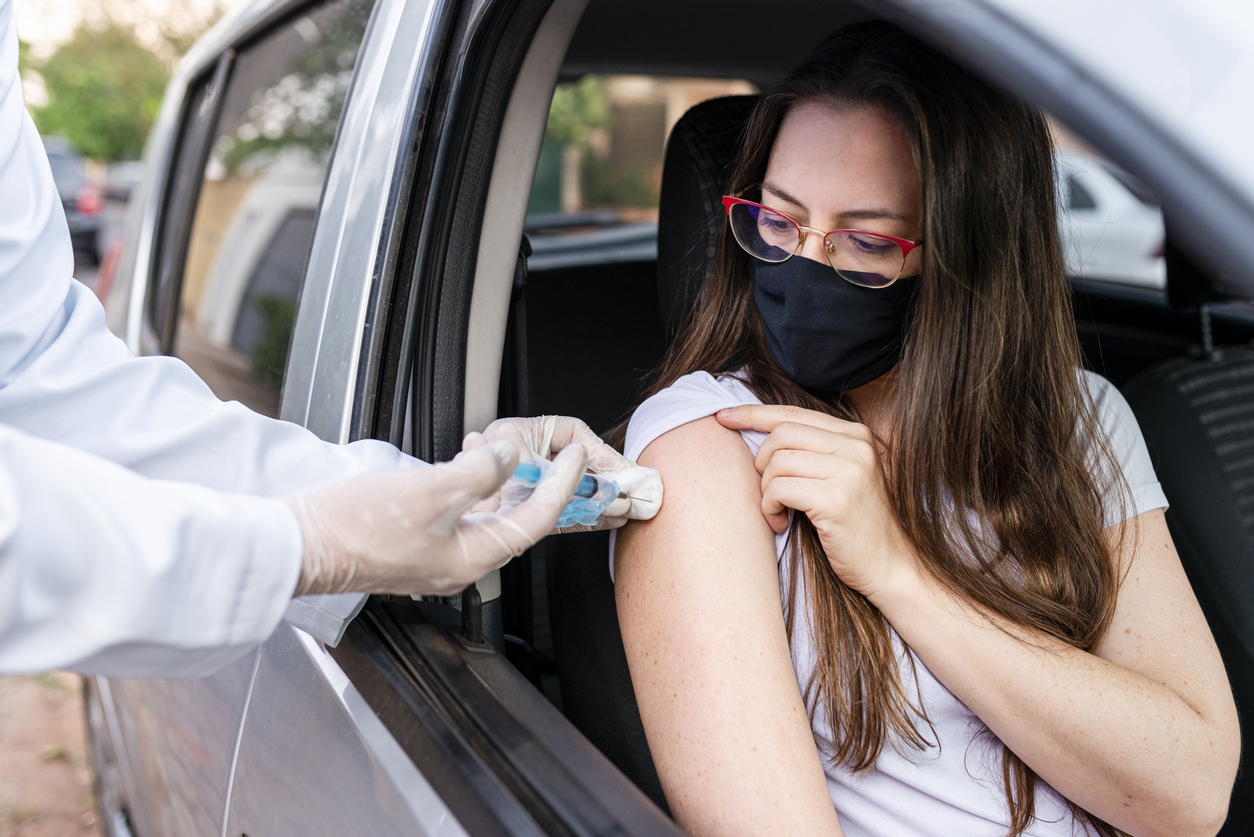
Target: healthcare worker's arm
[103, 571]
[65, 378]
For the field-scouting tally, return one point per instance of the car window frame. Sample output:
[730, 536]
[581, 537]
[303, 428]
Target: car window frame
[461, 711]
[177, 212]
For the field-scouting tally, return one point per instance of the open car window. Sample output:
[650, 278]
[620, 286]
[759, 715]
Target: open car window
[599, 175]
[1110, 224]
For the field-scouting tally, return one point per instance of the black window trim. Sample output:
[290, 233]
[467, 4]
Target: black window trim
[501, 756]
[171, 243]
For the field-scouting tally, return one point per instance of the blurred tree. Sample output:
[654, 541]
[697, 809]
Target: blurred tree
[577, 106]
[167, 27]
[301, 111]
[104, 91]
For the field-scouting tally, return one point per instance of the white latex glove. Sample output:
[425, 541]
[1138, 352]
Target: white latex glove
[408, 532]
[542, 436]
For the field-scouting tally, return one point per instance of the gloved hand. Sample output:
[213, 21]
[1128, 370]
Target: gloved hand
[408, 532]
[542, 436]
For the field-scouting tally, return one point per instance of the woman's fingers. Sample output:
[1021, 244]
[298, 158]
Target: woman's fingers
[850, 440]
[784, 493]
[799, 463]
[765, 417]
[812, 483]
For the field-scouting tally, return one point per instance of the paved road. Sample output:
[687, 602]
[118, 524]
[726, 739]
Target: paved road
[45, 773]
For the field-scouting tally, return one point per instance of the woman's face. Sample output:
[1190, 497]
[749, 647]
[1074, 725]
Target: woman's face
[841, 169]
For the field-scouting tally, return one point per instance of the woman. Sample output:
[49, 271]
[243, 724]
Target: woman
[985, 628]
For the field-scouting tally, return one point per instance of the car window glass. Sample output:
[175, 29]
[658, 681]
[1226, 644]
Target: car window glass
[601, 162]
[1077, 196]
[258, 197]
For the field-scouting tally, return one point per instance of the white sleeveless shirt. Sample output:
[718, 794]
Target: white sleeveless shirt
[953, 787]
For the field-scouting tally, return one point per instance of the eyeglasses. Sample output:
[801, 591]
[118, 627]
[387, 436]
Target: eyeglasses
[861, 258]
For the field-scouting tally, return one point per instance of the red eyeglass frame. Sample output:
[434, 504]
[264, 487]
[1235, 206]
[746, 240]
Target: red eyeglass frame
[905, 244]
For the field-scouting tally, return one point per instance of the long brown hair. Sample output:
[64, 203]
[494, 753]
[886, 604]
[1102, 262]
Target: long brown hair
[994, 432]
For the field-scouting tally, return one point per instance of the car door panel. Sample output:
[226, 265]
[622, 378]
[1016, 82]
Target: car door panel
[180, 736]
[315, 760]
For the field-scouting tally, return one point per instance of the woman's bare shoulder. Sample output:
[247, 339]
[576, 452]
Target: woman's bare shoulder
[712, 507]
[697, 590]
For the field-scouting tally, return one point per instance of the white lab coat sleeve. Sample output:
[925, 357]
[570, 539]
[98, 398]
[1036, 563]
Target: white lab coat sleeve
[104, 571]
[65, 378]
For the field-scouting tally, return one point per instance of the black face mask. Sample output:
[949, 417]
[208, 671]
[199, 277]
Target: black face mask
[825, 333]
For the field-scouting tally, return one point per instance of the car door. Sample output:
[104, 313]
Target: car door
[410, 725]
[244, 178]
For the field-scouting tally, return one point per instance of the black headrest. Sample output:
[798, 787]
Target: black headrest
[699, 154]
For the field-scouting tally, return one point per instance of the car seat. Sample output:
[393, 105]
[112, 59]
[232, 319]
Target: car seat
[595, 683]
[1197, 415]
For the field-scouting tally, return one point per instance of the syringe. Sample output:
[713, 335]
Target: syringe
[593, 495]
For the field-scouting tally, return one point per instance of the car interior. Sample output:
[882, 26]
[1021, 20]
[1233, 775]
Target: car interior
[573, 320]
[581, 338]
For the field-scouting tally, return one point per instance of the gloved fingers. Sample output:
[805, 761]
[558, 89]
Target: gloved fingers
[569, 431]
[494, 539]
[488, 505]
[542, 436]
[470, 478]
[603, 524]
[529, 435]
[619, 508]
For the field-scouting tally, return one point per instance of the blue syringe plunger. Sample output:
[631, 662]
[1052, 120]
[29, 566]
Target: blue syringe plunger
[593, 495]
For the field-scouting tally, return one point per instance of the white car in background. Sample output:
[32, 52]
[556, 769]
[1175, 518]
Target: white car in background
[1111, 226]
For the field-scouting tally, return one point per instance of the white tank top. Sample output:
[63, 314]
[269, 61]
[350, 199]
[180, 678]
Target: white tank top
[953, 787]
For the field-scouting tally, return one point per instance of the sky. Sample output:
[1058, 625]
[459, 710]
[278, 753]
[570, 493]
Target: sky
[45, 24]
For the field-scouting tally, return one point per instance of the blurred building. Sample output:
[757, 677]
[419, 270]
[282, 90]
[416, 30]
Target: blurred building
[619, 167]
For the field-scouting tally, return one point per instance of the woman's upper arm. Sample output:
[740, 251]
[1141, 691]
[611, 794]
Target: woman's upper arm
[1158, 629]
[699, 607]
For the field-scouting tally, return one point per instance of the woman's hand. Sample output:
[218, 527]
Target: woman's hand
[829, 470]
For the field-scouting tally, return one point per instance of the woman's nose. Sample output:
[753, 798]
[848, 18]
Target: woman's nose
[813, 248]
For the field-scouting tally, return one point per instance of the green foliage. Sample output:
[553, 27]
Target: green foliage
[576, 107]
[303, 109]
[23, 57]
[618, 184]
[104, 91]
[270, 354]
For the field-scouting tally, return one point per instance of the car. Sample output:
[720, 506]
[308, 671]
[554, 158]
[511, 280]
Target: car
[121, 178]
[1111, 225]
[81, 199]
[332, 227]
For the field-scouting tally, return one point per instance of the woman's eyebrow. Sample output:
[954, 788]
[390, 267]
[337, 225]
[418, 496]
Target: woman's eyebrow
[871, 214]
[874, 214]
[781, 194]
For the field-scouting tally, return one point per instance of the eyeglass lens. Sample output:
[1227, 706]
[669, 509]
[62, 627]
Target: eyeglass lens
[861, 258]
